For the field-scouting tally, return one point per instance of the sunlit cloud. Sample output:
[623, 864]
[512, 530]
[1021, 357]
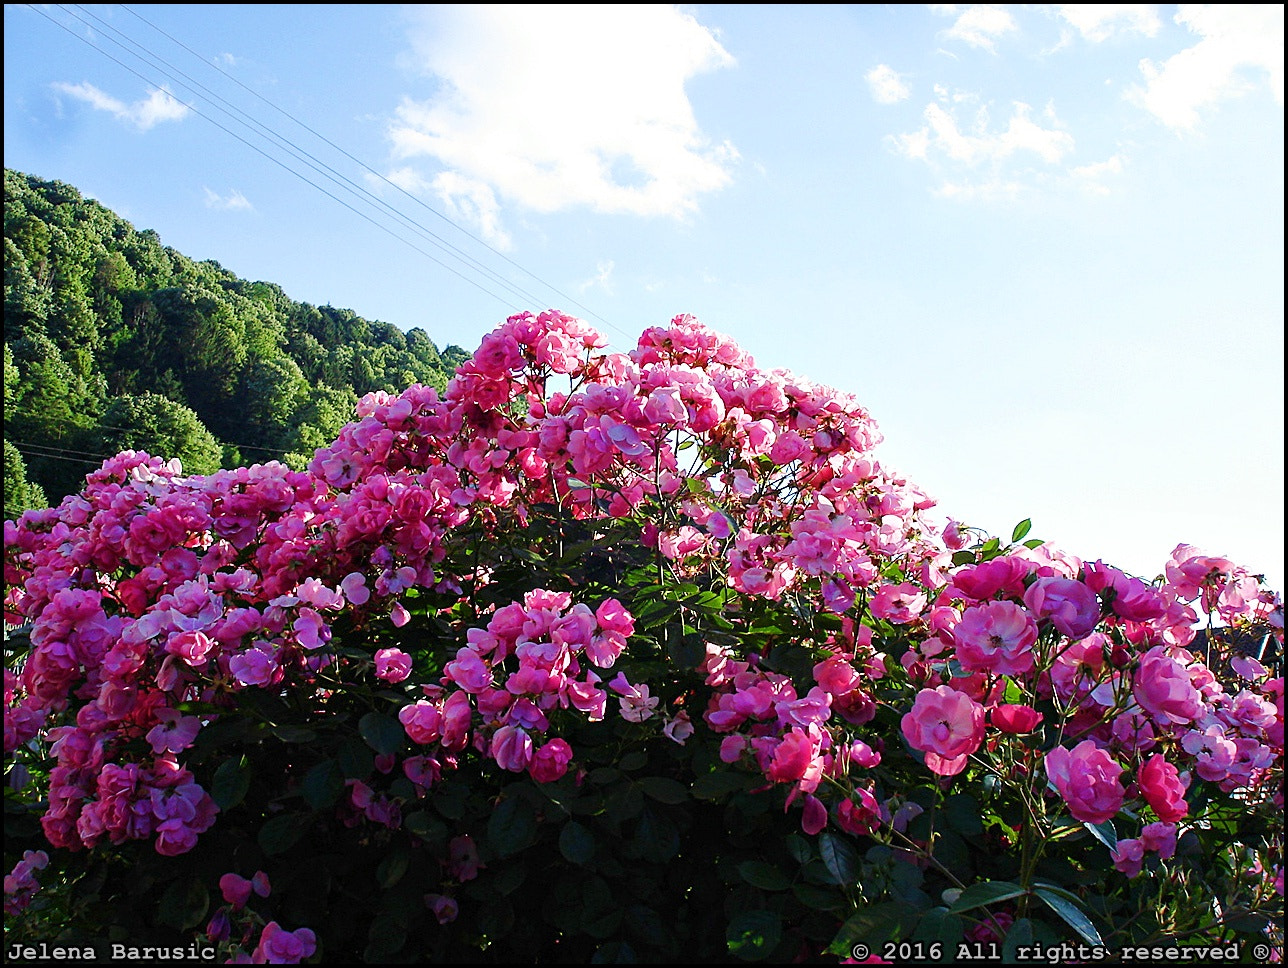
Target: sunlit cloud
[601, 278]
[1242, 49]
[1098, 22]
[1091, 178]
[943, 137]
[979, 26]
[234, 201]
[550, 108]
[157, 107]
[886, 85]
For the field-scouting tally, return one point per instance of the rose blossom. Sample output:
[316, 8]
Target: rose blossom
[1163, 788]
[1071, 606]
[1087, 778]
[947, 725]
[1014, 718]
[996, 637]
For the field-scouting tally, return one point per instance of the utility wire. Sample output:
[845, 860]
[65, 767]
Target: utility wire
[335, 177]
[301, 154]
[377, 174]
[281, 164]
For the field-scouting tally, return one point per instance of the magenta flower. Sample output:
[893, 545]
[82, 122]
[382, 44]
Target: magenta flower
[1163, 788]
[1012, 718]
[1162, 687]
[1071, 606]
[392, 665]
[996, 637]
[1087, 778]
[947, 725]
[277, 946]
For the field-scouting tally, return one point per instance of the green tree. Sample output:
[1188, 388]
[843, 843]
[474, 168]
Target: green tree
[155, 424]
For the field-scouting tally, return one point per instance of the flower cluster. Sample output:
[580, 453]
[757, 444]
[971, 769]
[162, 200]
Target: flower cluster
[162, 607]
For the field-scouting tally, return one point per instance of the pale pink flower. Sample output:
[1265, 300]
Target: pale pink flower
[392, 665]
[996, 637]
[947, 725]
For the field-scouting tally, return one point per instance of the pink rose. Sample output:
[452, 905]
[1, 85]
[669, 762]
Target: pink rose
[512, 749]
[1071, 606]
[1128, 856]
[996, 637]
[422, 721]
[1087, 778]
[550, 762]
[1163, 788]
[1015, 718]
[1162, 687]
[392, 665]
[281, 947]
[947, 725]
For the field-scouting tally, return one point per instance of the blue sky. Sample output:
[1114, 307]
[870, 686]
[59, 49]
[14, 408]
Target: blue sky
[1043, 244]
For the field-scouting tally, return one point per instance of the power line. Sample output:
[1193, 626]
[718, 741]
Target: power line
[277, 161]
[282, 143]
[377, 174]
[297, 151]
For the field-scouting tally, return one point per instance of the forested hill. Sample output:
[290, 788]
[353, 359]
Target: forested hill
[114, 341]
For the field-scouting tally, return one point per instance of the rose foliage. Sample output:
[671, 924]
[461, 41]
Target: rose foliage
[619, 657]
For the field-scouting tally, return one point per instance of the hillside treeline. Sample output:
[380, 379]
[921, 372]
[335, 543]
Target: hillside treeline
[113, 341]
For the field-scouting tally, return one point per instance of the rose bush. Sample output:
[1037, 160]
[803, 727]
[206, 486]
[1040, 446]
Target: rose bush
[630, 657]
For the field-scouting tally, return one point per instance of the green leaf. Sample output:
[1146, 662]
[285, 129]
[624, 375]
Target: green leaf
[763, 875]
[1020, 935]
[963, 813]
[1065, 904]
[355, 759]
[614, 953]
[663, 789]
[984, 894]
[1104, 832]
[230, 783]
[1021, 530]
[632, 761]
[391, 870]
[713, 786]
[281, 833]
[294, 734]
[577, 843]
[839, 857]
[872, 925]
[963, 558]
[819, 898]
[184, 904]
[323, 785]
[938, 925]
[752, 935]
[428, 828]
[511, 826]
[1034, 543]
[382, 733]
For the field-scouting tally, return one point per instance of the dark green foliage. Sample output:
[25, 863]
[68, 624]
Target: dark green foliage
[100, 317]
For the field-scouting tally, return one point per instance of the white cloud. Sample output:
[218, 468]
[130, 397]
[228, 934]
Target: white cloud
[886, 85]
[1100, 21]
[233, 201]
[942, 135]
[1090, 177]
[472, 201]
[1242, 47]
[555, 107]
[159, 106]
[601, 278]
[978, 26]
